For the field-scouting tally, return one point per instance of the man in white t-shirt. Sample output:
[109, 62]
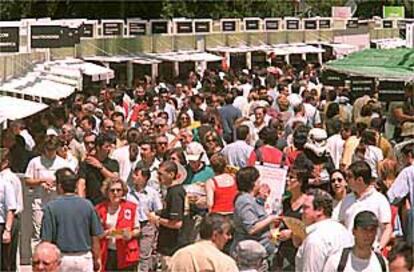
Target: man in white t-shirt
[365, 197]
[325, 236]
[40, 175]
[360, 257]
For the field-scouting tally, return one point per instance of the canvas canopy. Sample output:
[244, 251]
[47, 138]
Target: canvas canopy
[12, 108]
[386, 64]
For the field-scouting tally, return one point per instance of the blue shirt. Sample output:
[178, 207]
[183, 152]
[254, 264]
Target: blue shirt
[247, 212]
[70, 221]
[148, 200]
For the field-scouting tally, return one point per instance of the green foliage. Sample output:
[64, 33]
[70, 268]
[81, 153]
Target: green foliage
[101, 9]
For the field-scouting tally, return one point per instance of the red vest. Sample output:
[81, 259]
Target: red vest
[127, 251]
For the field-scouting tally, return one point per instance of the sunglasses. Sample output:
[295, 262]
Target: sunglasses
[162, 143]
[337, 179]
[115, 190]
[160, 125]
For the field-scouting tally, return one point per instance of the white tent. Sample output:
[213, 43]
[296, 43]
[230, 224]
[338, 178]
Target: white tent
[12, 108]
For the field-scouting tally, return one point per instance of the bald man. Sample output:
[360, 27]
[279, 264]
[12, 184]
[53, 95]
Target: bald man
[46, 258]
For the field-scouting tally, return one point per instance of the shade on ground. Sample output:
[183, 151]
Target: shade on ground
[392, 64]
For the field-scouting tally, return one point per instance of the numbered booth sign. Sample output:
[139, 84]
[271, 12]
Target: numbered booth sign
[229, 25]
[352, 23]
[389, 91]
[202, 25]
[252, 24]
[310, 24]
[46, 36]
[183, 26]
[112, 28]
[160, 27]
[325, 23]
[292, 24]
[9, 39]
[332, 78]
[137, 27]
[271, 24]
[361, 86]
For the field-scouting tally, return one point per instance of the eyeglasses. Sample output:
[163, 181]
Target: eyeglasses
[337, 179]
[115, 190]
[162, 143]
[160, 125]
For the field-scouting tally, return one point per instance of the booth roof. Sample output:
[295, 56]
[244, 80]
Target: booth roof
[43, 88]
[74, 68]
[278, 49]
[183, 56]
[139, 59]
[390, 64]
[389, 43]
[12, 108]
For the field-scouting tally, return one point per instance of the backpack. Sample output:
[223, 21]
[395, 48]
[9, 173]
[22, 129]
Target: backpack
[345, 255]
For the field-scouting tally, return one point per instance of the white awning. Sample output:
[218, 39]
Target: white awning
[227, 49]
[12, 108]
[299, 48]
[341, 49]
[138, 59]
[183, 56]
[389, 43]
[44, 89]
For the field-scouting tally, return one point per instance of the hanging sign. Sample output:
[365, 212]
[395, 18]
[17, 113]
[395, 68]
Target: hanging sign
[9, 39]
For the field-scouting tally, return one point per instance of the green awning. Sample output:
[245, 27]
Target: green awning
[387, 64]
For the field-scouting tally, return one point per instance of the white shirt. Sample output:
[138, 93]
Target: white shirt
[335, 146]
[353, 263]
[8, 176]
[324, 239]
[237, 153]
[36, 170]
[121, 155]
[373, 155]
[242, 104]
[372, 201]
[28, 139]
[312, 114]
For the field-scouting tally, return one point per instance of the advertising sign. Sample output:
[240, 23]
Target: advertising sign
[393, 12]
[9, 39]
[46, 36]
[341, 12]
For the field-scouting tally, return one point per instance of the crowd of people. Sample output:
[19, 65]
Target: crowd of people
[169, 176]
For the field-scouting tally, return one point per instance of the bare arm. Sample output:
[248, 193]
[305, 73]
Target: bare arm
[34, 182]
[96, 253]
[171, 224]
[259, 226]
[386, 234]
[210, 194]
[401, 116]
[81, 187]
